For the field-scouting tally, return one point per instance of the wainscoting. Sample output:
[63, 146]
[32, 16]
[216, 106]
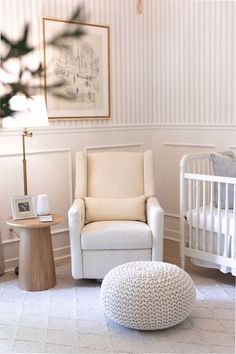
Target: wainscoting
[50, 172]
[49, 153]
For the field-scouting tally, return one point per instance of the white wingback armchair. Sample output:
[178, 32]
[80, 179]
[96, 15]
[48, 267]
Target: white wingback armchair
[106, 222]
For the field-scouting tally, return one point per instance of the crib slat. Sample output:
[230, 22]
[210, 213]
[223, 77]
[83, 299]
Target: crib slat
[199, 166]
[226, 238]
[194, 184]
[219, 217]
[197, 214]
[204, 214]
[194, 166]
[211, 216]
[234, 225]
[190, 211]
[208, 170]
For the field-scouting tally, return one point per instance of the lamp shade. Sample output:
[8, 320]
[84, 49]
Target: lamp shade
[30, 112]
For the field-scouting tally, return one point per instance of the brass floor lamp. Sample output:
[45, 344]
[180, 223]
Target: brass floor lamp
[30, 112]
[25, 133]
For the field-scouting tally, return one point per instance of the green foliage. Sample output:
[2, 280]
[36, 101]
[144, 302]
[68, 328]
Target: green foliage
[17, 50]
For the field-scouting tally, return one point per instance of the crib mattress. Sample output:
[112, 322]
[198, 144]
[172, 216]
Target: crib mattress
[224, 249]
[198, 217]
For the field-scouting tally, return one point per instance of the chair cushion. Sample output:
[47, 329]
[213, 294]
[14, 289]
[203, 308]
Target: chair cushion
[116, 235]
[101, 209]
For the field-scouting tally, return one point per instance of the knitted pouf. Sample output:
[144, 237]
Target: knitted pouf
[147, 295]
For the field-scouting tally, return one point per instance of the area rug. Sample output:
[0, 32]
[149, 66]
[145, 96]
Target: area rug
[69, 319]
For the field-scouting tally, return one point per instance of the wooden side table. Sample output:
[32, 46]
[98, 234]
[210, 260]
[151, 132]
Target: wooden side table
[36, 262]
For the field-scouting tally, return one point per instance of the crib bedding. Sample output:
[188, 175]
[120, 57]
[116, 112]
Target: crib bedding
[198, 218]
[224, 249]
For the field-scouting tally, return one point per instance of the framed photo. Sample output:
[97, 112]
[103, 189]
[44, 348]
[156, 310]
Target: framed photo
[23, 207]
[84, 65]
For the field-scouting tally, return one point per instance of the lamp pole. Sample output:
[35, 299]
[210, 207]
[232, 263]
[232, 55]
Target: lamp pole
[25, 133]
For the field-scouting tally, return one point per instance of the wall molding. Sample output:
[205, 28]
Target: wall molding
[68, 152]
[10, 240]
[171, 234]
[100, 147]
[120, 127]
[64, 252]
[171, 228]
[171, 238]
[209, 146]
[35, 152]
[16, 239]
[59, 253]
[171, 215]
[59, 231]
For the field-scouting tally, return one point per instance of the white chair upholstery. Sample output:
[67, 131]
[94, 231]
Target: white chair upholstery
[99, 246]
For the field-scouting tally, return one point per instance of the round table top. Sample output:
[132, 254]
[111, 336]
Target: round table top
[34, 223]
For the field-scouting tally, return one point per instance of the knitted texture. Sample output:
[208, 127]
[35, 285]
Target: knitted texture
[148, 295]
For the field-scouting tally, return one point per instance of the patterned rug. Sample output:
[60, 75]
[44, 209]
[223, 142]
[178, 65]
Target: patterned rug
[69, 319]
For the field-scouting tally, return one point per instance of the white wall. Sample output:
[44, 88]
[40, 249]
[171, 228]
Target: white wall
[173, 89]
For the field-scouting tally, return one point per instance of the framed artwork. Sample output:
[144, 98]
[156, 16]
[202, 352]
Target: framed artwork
[23, 207]
[84, 65]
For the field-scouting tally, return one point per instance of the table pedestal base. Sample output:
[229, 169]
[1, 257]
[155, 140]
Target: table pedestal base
[36, 265]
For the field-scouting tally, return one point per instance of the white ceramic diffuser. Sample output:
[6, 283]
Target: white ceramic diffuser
[42, 204]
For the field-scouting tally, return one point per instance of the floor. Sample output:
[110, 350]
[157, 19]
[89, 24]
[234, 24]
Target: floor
[171, 255]
[69, 318]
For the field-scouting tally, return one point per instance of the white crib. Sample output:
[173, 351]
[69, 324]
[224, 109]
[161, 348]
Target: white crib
[207, 232]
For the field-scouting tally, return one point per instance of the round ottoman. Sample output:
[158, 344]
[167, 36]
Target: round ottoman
[147, 295]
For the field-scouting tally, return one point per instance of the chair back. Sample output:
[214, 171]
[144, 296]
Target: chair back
[115, 174]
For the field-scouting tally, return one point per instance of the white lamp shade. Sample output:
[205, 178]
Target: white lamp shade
[31, 112]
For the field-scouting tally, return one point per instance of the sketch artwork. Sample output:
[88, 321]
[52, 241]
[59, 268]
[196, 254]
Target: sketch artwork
[80, 67]
[83, 66]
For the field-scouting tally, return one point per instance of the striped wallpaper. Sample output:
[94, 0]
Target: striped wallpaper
[172, 65]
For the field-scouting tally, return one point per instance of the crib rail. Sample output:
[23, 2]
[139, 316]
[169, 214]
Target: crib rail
[207, 213]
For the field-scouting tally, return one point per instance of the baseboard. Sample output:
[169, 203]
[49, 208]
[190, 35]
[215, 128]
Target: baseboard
[59, 253]
[64, 252]
[10, 264]
[171, 234]
[171, 238]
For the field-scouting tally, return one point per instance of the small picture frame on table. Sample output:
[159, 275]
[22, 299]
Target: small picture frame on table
[23, 207]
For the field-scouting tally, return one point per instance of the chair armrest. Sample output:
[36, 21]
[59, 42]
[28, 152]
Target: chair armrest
[76, 217]
[155, 218]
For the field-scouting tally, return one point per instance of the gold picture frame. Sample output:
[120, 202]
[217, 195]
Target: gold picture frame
[84, 64]
[23, 207]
